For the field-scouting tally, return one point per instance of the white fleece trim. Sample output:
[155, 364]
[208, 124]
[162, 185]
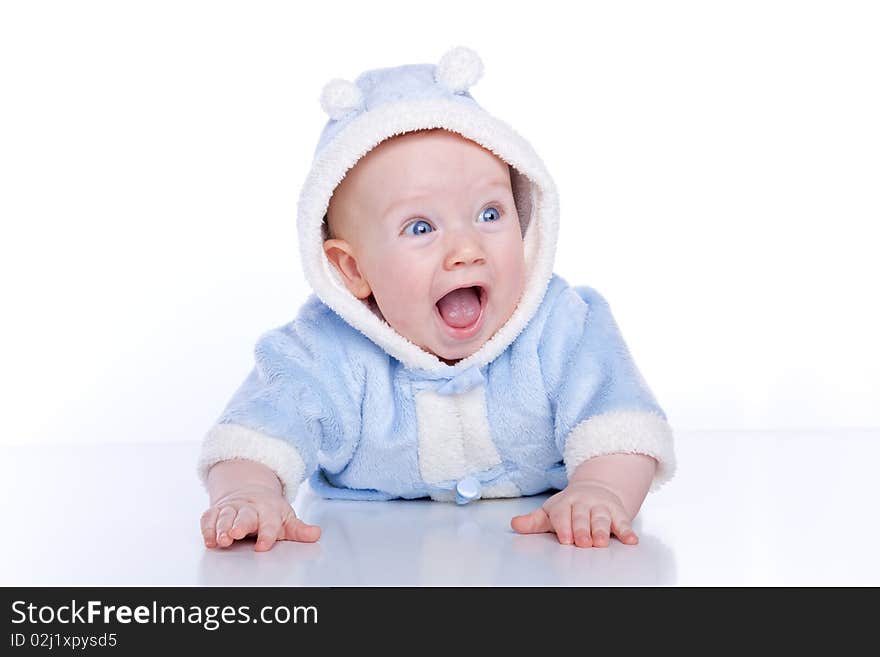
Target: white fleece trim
[359, 137]
[454, 435]
[228, 441]
[479, 448]
[639, 432]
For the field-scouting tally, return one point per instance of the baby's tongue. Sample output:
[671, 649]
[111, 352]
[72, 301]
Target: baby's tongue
[460, 307]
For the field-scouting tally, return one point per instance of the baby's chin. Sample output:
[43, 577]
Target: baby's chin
[450, 358]
[453, 358]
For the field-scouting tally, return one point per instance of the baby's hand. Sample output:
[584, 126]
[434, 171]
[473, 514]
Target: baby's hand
[254, 510]
[586, 510]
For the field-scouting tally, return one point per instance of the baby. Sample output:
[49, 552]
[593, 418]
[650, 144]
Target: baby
[440, 356]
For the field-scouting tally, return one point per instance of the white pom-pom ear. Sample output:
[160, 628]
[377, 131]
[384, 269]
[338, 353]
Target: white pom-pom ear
[459, 69]
[340, 97]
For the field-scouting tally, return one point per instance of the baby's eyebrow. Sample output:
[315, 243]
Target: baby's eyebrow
[491, 184]
[402, 201]
[503, 184]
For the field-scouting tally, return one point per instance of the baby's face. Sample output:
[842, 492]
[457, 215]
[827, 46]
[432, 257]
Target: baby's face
[419, 215]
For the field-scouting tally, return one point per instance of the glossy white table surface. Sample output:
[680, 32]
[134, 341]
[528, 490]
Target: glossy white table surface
[745, 508]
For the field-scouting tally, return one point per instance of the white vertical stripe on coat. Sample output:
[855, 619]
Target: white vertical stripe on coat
[455, 440]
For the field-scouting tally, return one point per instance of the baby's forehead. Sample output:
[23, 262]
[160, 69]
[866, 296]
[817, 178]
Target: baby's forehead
[411, 164]
[427, 156]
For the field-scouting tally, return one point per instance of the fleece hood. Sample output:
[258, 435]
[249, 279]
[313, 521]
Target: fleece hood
[385, 102]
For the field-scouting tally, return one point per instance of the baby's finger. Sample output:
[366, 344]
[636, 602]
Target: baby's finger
[535, 522]
[560, 518]
[224, 524]
[580, 525]
[296, 530]
[270, 528]
[246, 522]
[209, 526]
[600, 525]
[623, 530]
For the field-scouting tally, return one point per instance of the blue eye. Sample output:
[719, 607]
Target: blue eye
[490, 214]
[419, 231]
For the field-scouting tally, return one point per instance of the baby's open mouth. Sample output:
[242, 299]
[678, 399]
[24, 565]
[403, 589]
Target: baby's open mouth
[461, 307]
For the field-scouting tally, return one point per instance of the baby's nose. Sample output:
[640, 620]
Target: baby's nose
[466, 252]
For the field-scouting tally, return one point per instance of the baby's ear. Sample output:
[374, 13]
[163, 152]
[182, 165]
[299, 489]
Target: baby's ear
[341, 256]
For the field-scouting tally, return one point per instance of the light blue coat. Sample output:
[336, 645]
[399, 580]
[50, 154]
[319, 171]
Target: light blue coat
[367, 427]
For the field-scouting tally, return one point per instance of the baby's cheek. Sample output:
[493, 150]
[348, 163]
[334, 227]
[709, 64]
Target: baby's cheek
[402, 309]
[512, 276]
[413, 322]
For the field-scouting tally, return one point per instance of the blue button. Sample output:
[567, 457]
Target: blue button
[467, 490]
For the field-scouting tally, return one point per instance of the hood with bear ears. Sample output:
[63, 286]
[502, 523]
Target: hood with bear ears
[385, 102]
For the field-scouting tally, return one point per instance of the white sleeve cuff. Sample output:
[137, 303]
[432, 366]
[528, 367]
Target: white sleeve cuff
[639, 432]
[228, 441]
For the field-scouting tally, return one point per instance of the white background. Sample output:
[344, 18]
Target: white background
[717, 163]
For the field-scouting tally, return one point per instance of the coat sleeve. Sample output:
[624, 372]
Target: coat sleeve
[297, 404]
[600, 401]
